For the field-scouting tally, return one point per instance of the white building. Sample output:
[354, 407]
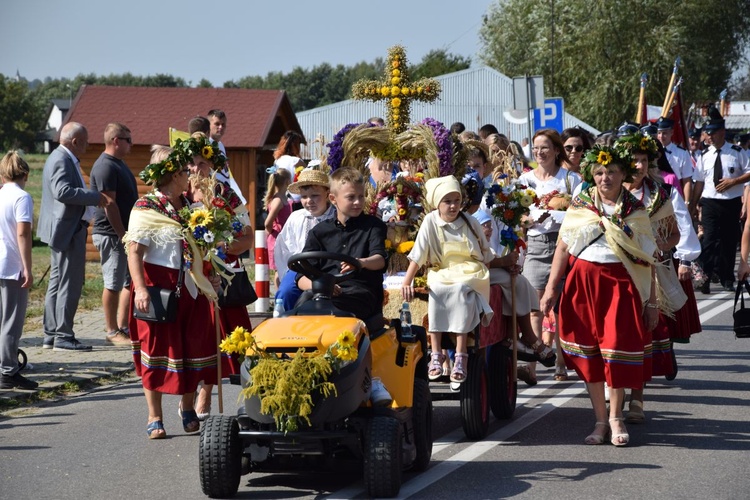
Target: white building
[474, 97]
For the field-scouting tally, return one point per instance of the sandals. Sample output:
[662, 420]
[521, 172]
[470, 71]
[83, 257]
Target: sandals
[620, 439]
[596, 439]
[155, 430]
[523, 373]
[190, 422]
[546, 355]
[458, 374]
[561, 373]
[635, 413]
[435, 369]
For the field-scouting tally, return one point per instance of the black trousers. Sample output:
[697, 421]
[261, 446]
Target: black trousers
[721, 233]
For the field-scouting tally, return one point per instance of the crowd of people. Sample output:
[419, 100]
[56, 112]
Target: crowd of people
[604, 286]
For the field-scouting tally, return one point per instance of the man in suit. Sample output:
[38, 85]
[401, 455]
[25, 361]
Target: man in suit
[67, 207]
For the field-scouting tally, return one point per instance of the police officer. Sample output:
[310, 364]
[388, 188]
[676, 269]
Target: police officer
[720, 174]
[679, 158]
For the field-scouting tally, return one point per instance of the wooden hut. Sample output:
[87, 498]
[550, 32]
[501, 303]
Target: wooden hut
[256, 120]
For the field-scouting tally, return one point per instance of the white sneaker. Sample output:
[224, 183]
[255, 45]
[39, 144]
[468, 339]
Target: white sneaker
[378, 394]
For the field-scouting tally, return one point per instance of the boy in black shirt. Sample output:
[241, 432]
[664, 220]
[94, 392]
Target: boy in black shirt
[355, 234]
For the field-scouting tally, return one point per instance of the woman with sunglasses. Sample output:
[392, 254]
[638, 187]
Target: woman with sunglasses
[575, 142]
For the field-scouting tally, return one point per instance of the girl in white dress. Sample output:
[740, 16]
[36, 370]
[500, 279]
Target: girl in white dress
[459, 281]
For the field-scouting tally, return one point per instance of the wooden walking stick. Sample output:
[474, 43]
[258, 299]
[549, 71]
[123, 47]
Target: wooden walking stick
[217, 320]
[514, 327]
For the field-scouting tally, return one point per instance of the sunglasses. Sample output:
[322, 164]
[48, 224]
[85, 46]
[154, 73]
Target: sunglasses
[570, 149]
[126, 139]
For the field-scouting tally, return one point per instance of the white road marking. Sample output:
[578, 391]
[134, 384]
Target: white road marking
[441, 468]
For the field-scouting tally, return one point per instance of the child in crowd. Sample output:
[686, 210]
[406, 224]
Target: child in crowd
[279, 209]
[459, 282]
[16, 215]
[356, 234]
[312, 188]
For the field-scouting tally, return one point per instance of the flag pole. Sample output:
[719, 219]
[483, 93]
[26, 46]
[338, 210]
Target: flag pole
[723, 103]
[675, 68]
[675, 89]
[641, 100]
[217, 320]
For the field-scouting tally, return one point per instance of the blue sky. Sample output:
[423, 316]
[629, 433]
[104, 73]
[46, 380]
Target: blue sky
[224, 40]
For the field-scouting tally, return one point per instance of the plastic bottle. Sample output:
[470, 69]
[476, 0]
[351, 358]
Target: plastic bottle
[278, 308]
[406, 332]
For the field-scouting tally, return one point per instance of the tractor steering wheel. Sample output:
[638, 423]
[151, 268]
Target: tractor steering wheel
[300, 262]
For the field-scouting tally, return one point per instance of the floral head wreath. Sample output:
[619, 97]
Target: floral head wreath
[638, 143]
[605, 156]
[155, 171]
[200, 145]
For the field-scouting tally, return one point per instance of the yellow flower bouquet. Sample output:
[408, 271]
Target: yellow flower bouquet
[286, 386]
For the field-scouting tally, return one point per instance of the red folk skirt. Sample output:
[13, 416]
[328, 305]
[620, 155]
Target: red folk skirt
[174, 357]
[687, 320]
[661, 350]
[601, 326]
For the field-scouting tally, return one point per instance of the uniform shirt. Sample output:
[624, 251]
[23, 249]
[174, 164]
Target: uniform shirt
[734, 164]
[679, 160]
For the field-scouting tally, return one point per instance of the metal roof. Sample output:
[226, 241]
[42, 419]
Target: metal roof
[474, 96]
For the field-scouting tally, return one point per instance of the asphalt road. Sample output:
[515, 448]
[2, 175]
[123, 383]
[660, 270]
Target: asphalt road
[696, 443]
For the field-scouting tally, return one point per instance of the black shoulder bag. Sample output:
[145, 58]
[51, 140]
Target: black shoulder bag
[162, 307]
[741, 315]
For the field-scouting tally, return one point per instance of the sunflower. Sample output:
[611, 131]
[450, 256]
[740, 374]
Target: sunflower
[347, 354]
[604, 158]
[200, 217]
[645, 144]
[170, 166]
[207, 152]
[346, 339]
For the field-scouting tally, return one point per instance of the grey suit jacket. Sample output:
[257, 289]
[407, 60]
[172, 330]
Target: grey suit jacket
[64, 200]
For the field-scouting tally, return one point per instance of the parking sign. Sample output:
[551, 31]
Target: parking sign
[551, 116]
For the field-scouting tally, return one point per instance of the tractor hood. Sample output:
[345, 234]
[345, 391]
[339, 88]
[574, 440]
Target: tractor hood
[311, 332]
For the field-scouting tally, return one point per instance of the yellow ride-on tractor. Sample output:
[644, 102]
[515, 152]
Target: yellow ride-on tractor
[387, 440]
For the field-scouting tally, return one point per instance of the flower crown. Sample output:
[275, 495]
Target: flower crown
[200, 145]
[605, 156]
[155, 171]
[638, 143]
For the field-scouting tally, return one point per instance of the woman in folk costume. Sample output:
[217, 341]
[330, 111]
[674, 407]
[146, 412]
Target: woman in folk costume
[609, 299]
[204, 159]
[657, 198]
[459, 281]
[170, 358]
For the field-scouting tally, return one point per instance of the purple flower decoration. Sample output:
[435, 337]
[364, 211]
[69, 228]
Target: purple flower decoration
[444, 144]
[335, 147]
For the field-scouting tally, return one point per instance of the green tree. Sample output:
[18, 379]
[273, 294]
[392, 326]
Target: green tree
[593, 53]
[439, 62]
[205, 84]
[19, 118]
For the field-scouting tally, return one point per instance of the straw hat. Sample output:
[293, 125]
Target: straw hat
[309, 177]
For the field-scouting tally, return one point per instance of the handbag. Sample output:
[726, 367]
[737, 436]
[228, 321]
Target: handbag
[237, 293]
[741, 315]
[162, 307]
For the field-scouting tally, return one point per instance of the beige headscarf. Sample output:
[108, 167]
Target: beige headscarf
[438, 187]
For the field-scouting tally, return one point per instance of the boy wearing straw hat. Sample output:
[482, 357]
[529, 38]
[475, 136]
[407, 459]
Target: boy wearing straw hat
[312, 186]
